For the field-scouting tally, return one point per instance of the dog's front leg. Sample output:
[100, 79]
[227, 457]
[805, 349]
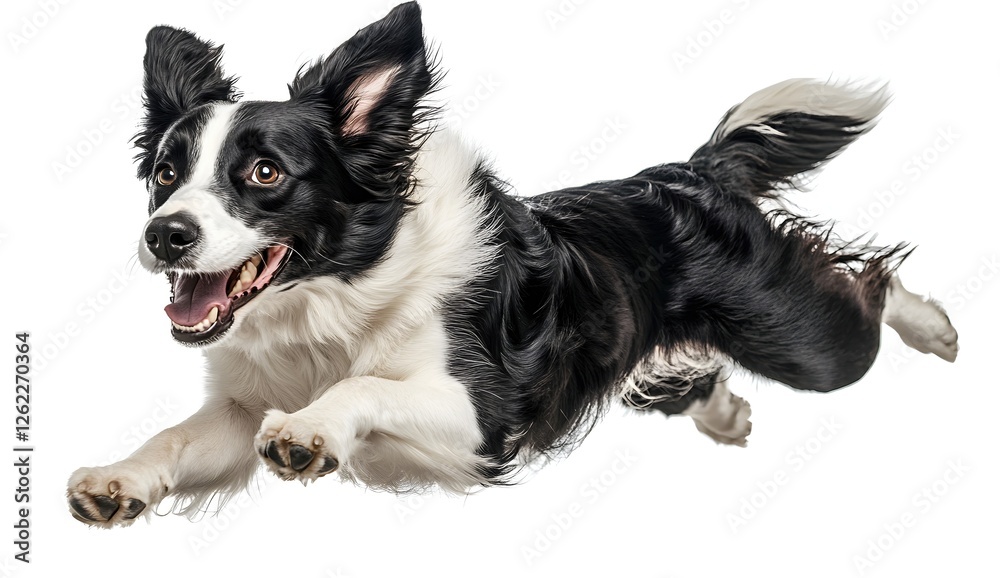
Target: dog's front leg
[211, 450]
[379, 431]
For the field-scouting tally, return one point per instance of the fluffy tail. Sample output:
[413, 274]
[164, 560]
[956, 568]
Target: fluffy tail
[770, 140]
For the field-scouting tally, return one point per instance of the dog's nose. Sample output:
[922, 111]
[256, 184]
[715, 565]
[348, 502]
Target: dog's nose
[170, 237]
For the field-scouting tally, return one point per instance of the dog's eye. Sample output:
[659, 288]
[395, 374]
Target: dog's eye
[166, 176]
[265, 173]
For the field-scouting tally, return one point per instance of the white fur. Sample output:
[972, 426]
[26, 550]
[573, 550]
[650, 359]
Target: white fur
[361, 366]
[810, 96]
[723, 416]
[399, 433]
[920, 323]
[224, 241]
[687, 363]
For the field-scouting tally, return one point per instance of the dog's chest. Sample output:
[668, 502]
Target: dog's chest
[286, 377]
[290, 376]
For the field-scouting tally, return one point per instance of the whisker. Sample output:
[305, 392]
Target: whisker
[337, 263]
[294, 252]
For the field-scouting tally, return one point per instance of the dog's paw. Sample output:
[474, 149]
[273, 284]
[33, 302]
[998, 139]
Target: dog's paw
[114, 495]
[294, 446]
[921, 323]
[724, 416]
[933, 333]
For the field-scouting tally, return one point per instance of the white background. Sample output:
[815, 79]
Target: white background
[535, 84]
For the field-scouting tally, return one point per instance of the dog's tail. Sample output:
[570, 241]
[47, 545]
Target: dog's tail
[772, 139]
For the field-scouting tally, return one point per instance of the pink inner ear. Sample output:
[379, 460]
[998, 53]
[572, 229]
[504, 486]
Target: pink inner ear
[363, 96]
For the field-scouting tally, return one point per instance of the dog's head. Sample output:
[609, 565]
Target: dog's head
[247, 199]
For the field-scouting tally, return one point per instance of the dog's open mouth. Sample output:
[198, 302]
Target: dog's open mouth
[202, 305]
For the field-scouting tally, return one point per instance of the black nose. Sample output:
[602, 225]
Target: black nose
[170, 237]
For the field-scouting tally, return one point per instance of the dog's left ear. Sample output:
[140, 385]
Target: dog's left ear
[370, 89]
[182, 72]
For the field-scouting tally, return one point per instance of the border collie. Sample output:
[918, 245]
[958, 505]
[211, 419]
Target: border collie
[373, 301]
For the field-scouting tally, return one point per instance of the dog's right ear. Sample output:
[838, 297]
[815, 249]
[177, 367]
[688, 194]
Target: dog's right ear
[181, 73]
[371, 90]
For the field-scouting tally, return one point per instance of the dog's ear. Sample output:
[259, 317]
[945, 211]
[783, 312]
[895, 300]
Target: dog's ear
[370, 88]
[181, 73]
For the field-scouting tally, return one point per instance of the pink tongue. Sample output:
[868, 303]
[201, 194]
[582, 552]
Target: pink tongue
[194, 297]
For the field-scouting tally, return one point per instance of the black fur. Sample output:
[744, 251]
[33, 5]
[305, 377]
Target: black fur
[181, 74]
[755, 164]
[378, 160]
[589, 280]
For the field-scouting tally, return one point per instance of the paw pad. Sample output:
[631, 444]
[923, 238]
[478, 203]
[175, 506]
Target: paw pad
[293, 450]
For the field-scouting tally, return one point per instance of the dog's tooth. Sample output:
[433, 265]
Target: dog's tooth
[250, 268]
[236, 289]
[213, 315]
[255, 260]
[246, 277]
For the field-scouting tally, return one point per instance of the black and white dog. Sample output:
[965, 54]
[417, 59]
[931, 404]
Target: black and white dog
[372, 301]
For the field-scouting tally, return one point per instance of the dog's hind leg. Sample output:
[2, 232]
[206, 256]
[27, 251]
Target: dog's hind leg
[697, 389]
[813, 319]
[722, 416]
[921, 323]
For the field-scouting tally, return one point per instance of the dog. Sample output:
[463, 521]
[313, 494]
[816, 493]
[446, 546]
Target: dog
[372, 300]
